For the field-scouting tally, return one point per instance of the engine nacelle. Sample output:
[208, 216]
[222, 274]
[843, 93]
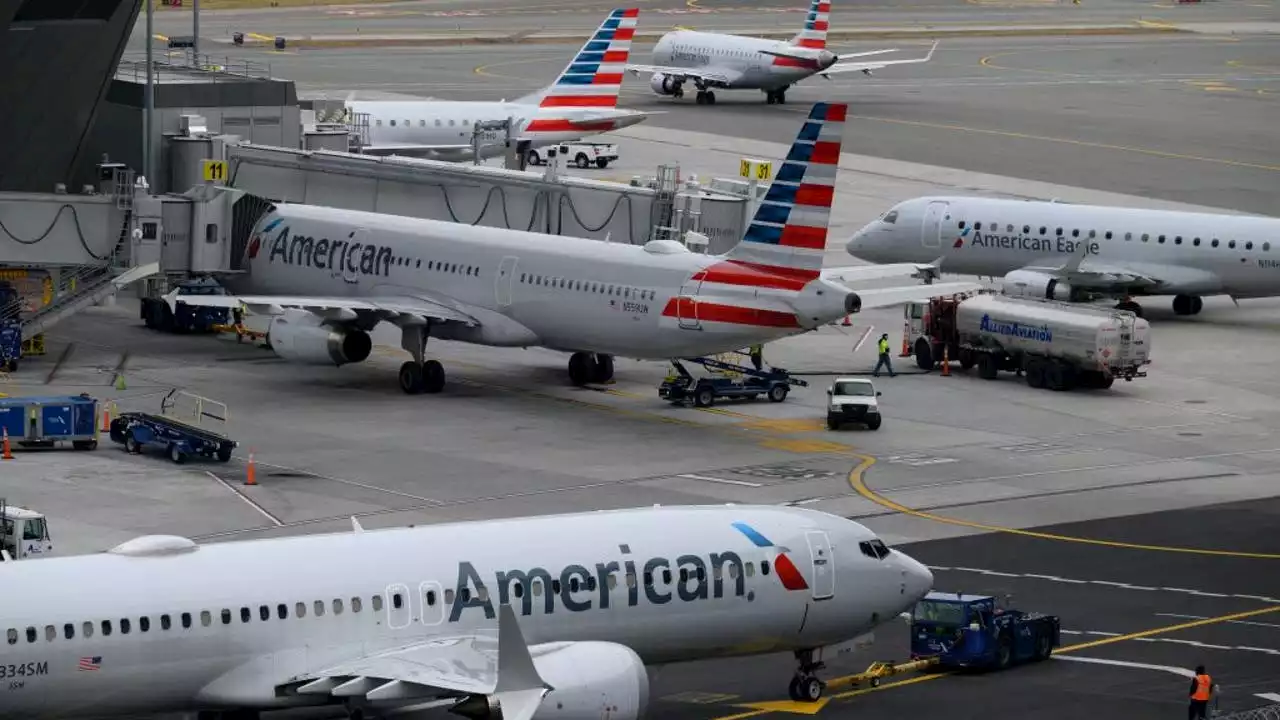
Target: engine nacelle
[1029, 283]
[299, 337]
[663, 85]
[592, 680]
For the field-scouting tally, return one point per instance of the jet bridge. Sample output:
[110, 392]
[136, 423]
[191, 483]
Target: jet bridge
[546, 202]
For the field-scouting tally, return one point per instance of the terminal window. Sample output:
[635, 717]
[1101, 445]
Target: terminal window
[45, 10]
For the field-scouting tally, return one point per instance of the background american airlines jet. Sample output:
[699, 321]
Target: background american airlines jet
[582, 101]
[329, 275]
[1083, 252]
[737, 62]
[556, 615]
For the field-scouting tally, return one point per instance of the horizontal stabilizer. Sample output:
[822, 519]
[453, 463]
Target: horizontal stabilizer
[887, 297]
[859, 273]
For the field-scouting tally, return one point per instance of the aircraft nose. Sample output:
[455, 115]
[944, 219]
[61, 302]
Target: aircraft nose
[918, 578]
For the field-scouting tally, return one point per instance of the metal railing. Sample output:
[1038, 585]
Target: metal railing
[214, 68]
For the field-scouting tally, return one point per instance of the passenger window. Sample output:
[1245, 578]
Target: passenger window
[226, 616]
[397, 602]
[69, 631]
[1266, 246]
[1093, 233]
[1059, 233]
[1160, 239]
[666, 577]
[1008, 228]
[482, 594]
[186, 620]
[13, 636]
[1075, 233]
[1177, 240]
[977, 226]
[648, 579]
[31, 634]
[377, 603]
[751, 569]
[631, 580]
[245, 615]
[1145, 237]
[282, 611]
[535, 587]
[591, 584]
[613, 581]
[124, 626]
[764, 567]
[1026, 229]
[144, 624]
[50, 633]
[684, 575]
[1248, 245]
[319, 606]
[448, 597]
[392, 123]
[1232, 244]
[1128, 236]
[356, 604]
[300, 609]
[431, 597]
[86, 630]
[1215, 242]
[1043, 229]
[337, 606]
[264, 612]
[165, 622]
[206, 619]
[1107, 236]
[106, 628]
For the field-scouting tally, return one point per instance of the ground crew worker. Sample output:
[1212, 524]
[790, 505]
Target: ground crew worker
[884, 357]
[757, 356]
[1201, 689]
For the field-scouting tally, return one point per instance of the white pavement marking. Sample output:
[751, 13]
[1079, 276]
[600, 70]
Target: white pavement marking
[1176, 641]
[726, 481]
[1273, 697]
[1109, 583]
[261, 510]
[1184, 672]
[1228, 622]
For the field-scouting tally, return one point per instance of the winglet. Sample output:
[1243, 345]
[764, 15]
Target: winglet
[355, 525]
[519, 689]
[1073, 264]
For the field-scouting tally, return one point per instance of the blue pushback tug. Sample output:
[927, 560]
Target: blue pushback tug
[972, 631]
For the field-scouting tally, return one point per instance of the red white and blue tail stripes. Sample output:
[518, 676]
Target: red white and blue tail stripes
[788, 234]
[814, 34]
[594, 78]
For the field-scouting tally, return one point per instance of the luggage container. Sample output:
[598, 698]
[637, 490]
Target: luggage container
[35, 422]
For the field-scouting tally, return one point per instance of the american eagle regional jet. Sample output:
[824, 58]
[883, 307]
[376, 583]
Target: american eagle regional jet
[582, 101]
[557, 616]
[736, 62]
[329, 275]
[1061, 251]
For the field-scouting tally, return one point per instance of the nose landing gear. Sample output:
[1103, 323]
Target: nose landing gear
[806, 686]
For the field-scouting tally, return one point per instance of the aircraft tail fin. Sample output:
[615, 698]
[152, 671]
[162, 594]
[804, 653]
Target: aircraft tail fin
[814, 34]
[593, 79]
[788, 235]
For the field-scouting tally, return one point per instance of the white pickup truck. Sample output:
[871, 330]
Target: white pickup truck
[582, 154]
[853, 400]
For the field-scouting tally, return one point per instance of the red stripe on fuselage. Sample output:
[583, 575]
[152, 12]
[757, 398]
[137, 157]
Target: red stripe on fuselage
[795, 62]
[562, 125]
[715, 312]
[580, 101]
[733, 272]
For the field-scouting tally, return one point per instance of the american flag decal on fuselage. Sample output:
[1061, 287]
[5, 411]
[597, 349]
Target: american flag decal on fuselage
[593, 79]
[88, 664]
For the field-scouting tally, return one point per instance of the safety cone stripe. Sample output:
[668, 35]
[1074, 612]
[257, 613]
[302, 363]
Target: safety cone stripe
[249, 478]
[7, 454]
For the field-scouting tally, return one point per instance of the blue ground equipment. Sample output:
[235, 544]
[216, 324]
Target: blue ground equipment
[186, 318]
[971, 631]
[682, 387]
[180, 428]
[43, 422]
[10, 329]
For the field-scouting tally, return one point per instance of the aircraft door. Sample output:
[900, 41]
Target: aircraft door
[687, 305]
[931, 230]
[505, 279]
[432, 597]
[824, 569]
[398, 606]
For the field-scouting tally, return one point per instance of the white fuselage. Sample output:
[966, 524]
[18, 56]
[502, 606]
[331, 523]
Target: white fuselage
[529, 289]
[1191, 253]
[226, 623]
[443, 123]
[740, 59]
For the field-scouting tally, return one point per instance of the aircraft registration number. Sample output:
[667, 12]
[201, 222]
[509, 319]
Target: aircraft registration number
[635, 307]
[15, 670]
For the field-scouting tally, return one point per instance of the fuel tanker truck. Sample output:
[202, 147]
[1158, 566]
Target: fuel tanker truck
[1055, 345]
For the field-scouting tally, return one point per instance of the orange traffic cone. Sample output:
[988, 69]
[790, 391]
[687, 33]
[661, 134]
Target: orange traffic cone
[846, 322]
[946, 362]
[106, 419]
[906, 349]
[7, 454]
[250, 473]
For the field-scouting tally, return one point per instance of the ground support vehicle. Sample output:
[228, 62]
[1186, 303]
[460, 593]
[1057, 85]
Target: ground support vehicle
[971, 631]
[744, 382]
[184, 318]
[581, 154]
[1055, 345]
[10, 328]
[43, 422]
[181, 434]
[23, 533]
[853, 400]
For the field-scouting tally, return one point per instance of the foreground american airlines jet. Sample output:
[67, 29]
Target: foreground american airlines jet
[329, 275]
[556, 616]
[737, 62]
[582, 101]
[1077, 252]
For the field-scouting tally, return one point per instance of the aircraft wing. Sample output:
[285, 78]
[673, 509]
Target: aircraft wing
[887, 297]
[339, 309]
[685, 74]
[463, 665]
[866, 66]
[401, 148]
[857, 273]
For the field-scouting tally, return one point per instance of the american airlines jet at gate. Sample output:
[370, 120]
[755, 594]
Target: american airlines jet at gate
[736, 62]
[582, 101]
[556, 616]
[1078, 252]
[329, 275]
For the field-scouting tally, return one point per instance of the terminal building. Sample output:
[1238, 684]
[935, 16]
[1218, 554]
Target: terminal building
[81, 220]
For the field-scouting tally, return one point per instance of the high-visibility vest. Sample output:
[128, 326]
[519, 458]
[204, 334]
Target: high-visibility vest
[884, 346]
[1203, 682]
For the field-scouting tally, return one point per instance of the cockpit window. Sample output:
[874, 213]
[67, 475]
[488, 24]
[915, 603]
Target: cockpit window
[890, 217]
[874, 549]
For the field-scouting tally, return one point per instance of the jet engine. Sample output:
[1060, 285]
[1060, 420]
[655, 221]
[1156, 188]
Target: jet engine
[299, 337]
[592, 680]
[1029, 283]
[664, 85]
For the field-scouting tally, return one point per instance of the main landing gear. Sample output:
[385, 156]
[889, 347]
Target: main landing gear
[587, 368]
[705, 97]
[418, 375]
[776, 97]
[806, 686]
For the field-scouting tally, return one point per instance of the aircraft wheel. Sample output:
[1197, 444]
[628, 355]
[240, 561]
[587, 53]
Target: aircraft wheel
[601, 368]
[579, 368]
[793, 689]
[810, 689]
[701, 97]
[411, 378]
[711, 98]
[432, 376]
[781, 97]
